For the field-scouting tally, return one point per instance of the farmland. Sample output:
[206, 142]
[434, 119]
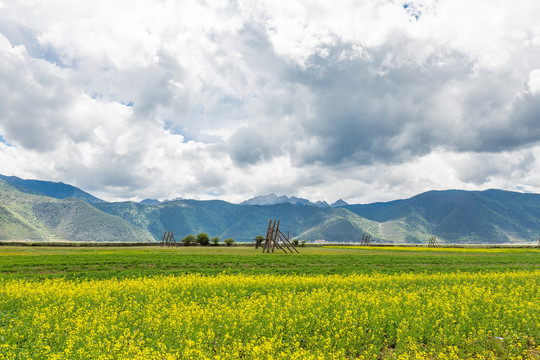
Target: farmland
[230, 303]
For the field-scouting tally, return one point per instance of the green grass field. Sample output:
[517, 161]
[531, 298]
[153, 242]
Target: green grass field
[104, 262]
[237, 303]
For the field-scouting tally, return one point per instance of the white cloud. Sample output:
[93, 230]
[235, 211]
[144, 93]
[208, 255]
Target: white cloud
[362, 100]
[534, 81]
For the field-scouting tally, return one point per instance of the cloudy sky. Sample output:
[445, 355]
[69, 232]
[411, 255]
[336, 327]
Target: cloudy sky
[362, 100]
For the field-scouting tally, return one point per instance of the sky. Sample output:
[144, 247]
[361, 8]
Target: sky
[367, 101]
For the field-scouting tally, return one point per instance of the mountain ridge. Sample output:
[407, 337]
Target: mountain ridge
[57, 190]
[453, 216]
[273, 199]
[25, 216]
[464, 216]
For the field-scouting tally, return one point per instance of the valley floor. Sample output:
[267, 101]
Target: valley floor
[235, 302]
[28, 262]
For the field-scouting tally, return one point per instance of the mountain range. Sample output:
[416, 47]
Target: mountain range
[47, 211]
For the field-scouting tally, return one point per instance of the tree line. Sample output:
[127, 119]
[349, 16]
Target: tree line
[204, 240]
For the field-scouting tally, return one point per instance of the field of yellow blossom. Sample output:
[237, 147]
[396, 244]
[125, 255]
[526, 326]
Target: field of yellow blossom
[454, 314]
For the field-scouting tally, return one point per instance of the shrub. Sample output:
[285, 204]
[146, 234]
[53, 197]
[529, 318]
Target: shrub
[215, 241]
[203, 239]
[188, 240]
[229, 241]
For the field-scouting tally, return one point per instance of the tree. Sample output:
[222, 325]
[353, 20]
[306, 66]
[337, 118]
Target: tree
[303, 243]
[203, 239]
[215, 240]
[188, 240]
[229, 241]
[295, 242]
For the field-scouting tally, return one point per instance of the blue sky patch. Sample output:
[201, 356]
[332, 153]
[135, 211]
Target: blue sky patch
[213, 193]
[3, 141]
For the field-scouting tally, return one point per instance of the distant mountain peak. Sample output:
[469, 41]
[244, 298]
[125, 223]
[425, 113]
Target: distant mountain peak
[339, 203]
[157, 202]
[175, 199]
[273, 199]
[270, 199]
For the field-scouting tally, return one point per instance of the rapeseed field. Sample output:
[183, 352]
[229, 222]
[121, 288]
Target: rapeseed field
[457, 315]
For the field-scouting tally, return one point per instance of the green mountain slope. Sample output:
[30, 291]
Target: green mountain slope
[219, 218]
[40, 218]
[342, 226]
[456, 216]
[453, 216]
[48, 188]
[13, 227]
